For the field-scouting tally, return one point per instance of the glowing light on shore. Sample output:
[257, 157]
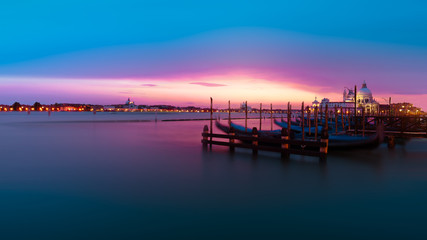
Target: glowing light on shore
[184, 91]
[166, 91]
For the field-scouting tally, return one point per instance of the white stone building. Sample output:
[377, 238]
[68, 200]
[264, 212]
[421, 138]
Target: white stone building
[130, 105]
[364, 100]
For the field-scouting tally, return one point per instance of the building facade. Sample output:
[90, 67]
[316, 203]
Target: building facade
[130, 104]
[364, 100]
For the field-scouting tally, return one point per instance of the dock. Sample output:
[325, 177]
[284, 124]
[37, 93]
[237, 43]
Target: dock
[284, 145]
[256, 143]
[335, 121]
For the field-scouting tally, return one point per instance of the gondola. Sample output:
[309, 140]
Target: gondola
[297, 128]
[336, 142]
[347, 142]
[241, 130]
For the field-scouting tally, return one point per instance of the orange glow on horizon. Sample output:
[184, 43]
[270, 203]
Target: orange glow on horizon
[195, 91]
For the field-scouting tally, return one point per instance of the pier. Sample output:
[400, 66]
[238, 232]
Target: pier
[347, 121]
[396, 126]
[284, 145]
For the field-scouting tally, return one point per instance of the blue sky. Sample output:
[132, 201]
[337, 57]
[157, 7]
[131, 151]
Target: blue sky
[34, 29]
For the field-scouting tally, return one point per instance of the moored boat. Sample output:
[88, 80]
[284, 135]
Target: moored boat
[336, 141]
[297, 128]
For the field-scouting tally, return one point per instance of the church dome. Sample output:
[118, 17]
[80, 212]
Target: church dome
[364, 95]
[315, 101]
[364, 91]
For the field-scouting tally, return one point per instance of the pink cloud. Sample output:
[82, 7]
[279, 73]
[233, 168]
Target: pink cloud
[208, 84]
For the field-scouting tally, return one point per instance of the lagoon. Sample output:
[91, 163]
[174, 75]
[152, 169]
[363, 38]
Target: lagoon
[125, 176]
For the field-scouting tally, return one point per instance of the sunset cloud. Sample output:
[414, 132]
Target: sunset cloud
[148, 85]
[205, 84]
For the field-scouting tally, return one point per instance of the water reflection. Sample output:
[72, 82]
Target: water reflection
[153, 180]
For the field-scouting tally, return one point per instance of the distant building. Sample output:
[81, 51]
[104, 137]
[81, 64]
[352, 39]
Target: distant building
[331, 105]
[109, 108]
[243, 107]
[68, 107]
[405, 109]
[364, 100]
[315, 103]
[130, 105]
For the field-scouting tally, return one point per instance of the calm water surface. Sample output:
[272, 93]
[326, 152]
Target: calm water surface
[84, 176]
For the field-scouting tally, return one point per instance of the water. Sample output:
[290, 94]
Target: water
[84, 176]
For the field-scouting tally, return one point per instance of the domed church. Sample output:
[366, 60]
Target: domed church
[364, 98]
[130, 104]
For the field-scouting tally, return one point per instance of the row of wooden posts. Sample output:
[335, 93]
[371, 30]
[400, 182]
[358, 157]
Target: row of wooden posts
[324, 114]
[347, 119]
[287, 146]
[302, 113]
[255, 142]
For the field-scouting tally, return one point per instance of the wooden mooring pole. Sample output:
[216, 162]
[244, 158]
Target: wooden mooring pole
[342, 119]
[355, 109]
[425, 123]
[326, 117]
[229, 114]
[363, 121]
[349, 119]
[271, 116]
[324, 138]
[231, 140]
[289, 118]
[285, 146]
[390, 142]
[255, 141]
[321, 113]
[246, 116]
[315, 122]
[309, 122]
[211, 121]
[302, 120]
[285, 142]
[336, 120]
[260, 116]
[205, 137]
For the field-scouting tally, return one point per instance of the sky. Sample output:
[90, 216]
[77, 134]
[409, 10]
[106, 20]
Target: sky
[183, 52]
